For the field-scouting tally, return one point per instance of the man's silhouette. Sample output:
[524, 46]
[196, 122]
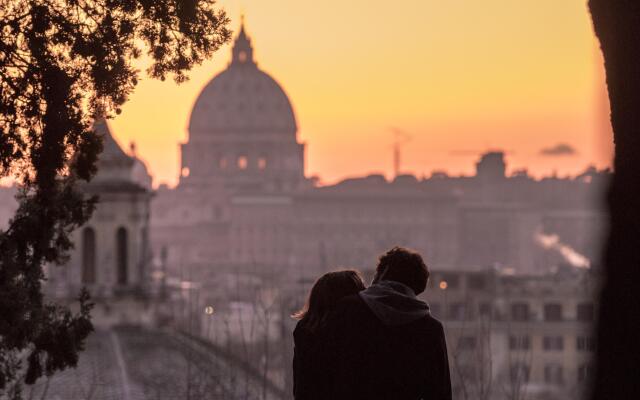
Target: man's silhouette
[383, 342]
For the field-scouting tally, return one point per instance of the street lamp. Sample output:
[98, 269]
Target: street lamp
[208, 311]
[443, 285]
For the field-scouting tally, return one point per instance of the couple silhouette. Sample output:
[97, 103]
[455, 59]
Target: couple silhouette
[377, 342]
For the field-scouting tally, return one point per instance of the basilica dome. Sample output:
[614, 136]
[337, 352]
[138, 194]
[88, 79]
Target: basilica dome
[242, 100]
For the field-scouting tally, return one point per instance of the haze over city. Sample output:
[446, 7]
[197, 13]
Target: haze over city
[459, 78]
[347, 200]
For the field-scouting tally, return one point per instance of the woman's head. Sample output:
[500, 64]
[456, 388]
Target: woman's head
[325, 294]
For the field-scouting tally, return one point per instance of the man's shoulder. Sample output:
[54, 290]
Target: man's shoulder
[353, 307]
[432, 323]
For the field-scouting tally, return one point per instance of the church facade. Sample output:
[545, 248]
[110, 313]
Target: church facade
[243, 203]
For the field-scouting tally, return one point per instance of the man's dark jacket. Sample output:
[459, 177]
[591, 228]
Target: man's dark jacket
[384, 344]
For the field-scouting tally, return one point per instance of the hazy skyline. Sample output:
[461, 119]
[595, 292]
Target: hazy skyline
[460, 77]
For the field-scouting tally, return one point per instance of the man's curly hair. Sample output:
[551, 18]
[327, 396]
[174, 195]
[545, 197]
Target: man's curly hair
[405, 266]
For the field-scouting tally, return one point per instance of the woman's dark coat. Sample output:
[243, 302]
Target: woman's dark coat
[309, 372]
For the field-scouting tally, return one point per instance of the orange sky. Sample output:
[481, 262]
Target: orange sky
[460, 76]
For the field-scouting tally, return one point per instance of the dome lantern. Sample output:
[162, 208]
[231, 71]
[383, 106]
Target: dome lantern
[242, 53]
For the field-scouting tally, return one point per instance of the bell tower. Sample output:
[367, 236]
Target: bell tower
[111, 251]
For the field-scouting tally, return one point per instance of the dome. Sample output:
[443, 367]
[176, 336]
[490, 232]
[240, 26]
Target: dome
[114, 165]
[242, 99]
[112, 153]
[139, 171]
[140, 174]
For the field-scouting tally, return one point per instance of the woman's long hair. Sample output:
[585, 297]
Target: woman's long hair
[325, 294]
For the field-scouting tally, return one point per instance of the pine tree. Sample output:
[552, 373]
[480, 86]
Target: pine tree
[64, 63]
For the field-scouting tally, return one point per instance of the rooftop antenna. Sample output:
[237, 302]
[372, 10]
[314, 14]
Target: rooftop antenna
[400, 137]
[469, 152]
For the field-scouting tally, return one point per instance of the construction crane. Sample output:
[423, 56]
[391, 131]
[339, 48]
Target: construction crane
[400, 137]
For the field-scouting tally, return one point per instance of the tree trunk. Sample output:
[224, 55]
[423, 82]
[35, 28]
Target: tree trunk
[617, 25]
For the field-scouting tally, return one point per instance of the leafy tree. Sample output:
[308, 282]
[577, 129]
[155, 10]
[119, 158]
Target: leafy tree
[64, 63]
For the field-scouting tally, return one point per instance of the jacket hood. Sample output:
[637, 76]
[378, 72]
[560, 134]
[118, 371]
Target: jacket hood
[394, 303]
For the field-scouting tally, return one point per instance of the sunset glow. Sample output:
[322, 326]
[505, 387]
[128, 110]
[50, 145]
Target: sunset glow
[459, 77]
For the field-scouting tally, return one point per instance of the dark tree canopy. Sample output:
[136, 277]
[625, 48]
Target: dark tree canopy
[64, 63]
[617, 25]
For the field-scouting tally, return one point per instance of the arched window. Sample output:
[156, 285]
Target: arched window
[262, 163]
[222, 163]
[243, 162]
[88, 256]
[122, 255]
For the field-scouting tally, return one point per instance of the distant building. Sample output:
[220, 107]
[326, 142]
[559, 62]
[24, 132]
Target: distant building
[243, 204]
[517, 336]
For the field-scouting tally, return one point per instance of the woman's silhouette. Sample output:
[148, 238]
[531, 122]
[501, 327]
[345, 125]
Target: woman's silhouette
[309, 372]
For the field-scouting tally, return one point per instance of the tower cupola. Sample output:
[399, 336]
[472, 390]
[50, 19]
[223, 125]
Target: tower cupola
[242, 52]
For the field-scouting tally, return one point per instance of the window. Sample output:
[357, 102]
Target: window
[222, 163]
[585, 343]
[553, 343]
[553, 373]
[477, 281]
[484, 309]
[88, 256]
[262, 163]
[585, 312]
[468, 372]
[467, 343]
[457, 311]
[520, 311]
[553, 312]
[243, 163]
[519, 342]
[122, 256]
[217, 212]
[436, 309]
[164, 255]
[519, 372]
[453, 280]
[584, 372]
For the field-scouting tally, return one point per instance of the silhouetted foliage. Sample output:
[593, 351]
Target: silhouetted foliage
[64, 63]
[617, 25]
